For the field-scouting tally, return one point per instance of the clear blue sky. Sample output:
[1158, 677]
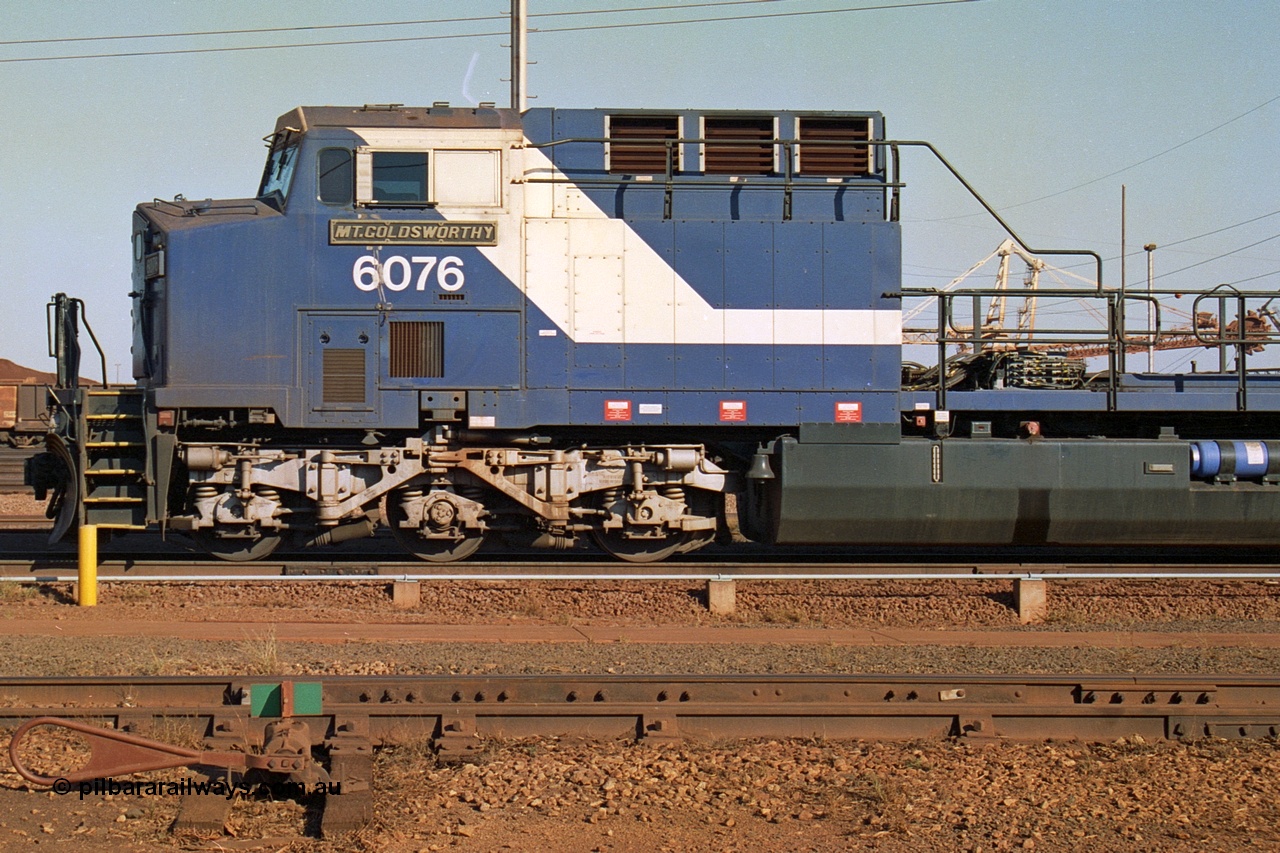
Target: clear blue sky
[1047, 107]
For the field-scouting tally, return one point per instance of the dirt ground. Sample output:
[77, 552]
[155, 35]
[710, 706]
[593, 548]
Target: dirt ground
[561, 795]
[564, 795]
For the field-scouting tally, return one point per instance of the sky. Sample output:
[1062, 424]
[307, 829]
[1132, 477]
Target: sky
[1047, 108]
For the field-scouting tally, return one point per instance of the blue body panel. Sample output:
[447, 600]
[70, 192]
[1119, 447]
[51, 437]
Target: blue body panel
[253, 297]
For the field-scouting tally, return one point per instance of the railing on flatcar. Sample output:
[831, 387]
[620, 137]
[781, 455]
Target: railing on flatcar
[1237, 328]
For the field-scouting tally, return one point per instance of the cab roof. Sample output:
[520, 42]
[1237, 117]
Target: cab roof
[397, 115]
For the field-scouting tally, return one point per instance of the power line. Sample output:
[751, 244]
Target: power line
[1123, 169]
[628, 25]
[311, 27]
[888, 6]
[1217, 231]
[1218, 257]
[1146, 160]
[1255, 277]
[1168, 245]
[243, 48]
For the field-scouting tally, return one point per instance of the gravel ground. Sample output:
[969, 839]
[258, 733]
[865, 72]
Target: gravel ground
[262, 655]
[1165, 606]
[565, 795]
[19, 502]
[561, 795]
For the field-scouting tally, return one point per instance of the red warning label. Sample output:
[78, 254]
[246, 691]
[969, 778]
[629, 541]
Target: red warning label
[849, 413]
[733, 410]
[617, 410]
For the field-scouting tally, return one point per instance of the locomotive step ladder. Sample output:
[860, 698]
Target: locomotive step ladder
[113, 456]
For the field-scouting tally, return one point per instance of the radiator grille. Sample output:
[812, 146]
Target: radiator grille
[738, 146]
[343, 376]
[417, 350]
[636, 143]
[840, 156]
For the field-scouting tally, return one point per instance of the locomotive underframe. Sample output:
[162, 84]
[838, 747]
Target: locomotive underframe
[441, 498]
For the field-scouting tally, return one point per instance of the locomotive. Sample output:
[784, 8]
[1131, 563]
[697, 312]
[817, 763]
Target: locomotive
[646, 328]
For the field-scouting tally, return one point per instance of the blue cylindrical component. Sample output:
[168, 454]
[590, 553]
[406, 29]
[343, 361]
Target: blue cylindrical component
[1251, 459]
[1245, 460]
[1205, 459]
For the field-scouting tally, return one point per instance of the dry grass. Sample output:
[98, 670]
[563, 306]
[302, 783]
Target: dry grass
[176, 732]
[784, 616]
[17, 593]
[260, 653]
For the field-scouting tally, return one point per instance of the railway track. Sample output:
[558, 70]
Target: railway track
[457, 710]
[58, 567]
[25, 523]
[25, 536]
[271, 724]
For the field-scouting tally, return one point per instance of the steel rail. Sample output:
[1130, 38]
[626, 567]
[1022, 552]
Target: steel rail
[39, 571]
[31, 523]
[106, 578]
[457, 712]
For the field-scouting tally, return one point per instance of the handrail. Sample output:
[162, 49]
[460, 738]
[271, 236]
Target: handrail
[63, 315]
[1224, 293]
[790, 181]
[1233, 308]
[787, 145]
[101, 355]
[992, 211]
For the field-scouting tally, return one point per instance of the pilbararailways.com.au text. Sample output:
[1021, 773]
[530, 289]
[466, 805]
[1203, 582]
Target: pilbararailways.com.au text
[187, 788]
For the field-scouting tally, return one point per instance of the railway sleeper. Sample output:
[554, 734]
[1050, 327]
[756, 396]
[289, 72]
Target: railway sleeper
[318, 738]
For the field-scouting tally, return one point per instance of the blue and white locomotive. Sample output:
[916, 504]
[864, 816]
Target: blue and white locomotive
[558, 324]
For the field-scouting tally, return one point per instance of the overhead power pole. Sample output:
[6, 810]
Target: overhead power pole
[519, 50]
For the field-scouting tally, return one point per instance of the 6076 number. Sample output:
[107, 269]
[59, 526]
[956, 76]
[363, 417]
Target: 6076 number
[398, 272]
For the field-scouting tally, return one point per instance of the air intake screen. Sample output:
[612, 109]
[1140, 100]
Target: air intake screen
[738, 146]
[838, 155]
[417, 350]
[343, 376]
[636, 144]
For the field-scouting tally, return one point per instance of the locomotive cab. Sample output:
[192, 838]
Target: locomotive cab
[287, 276]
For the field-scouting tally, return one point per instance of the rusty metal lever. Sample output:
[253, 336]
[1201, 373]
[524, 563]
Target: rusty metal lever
[114, 753]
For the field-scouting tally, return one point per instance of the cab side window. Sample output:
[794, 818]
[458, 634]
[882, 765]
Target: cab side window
[450, 177]
[400, 176]
[335, 168]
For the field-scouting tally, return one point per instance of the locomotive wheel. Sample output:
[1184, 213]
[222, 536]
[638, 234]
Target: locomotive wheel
[237, 549]
[638, 550]
[431, 550]
[643, 550]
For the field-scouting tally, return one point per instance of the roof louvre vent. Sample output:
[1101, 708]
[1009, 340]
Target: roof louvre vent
[738, 146]
[638, 144]
[838, 153]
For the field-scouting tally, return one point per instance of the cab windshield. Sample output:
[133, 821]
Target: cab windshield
[278, 174]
